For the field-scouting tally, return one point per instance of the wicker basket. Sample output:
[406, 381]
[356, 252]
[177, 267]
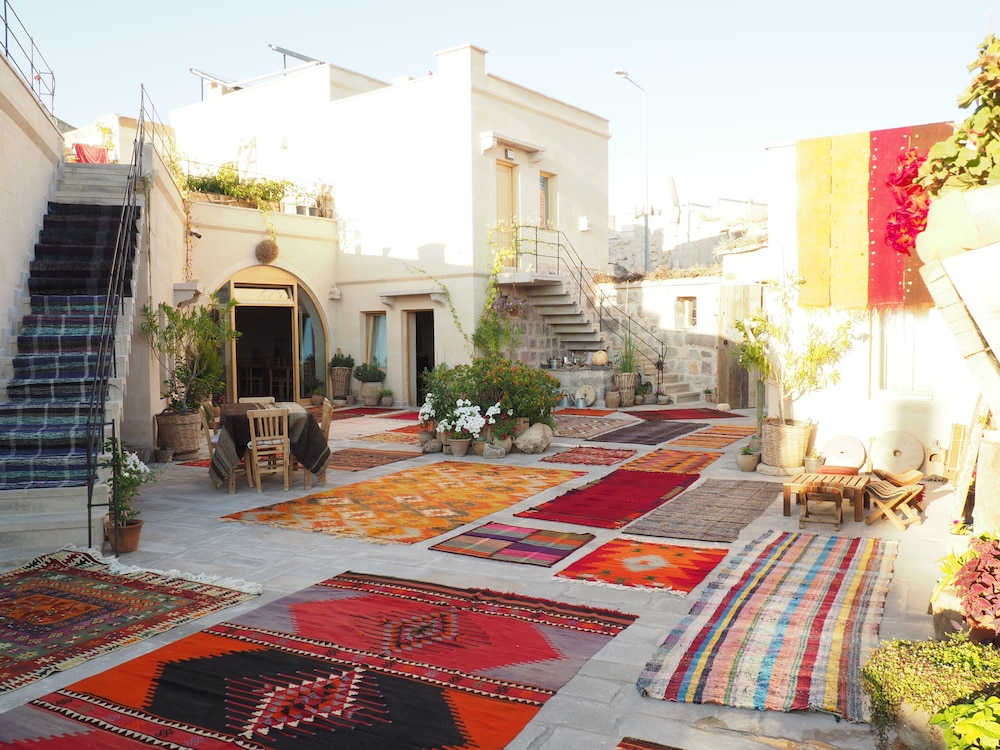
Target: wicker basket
[784, 444]
[182, 432]
[626, 386]
[340, 381]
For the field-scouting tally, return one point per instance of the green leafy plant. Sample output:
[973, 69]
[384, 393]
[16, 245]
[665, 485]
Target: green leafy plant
[256, 191]
[341, 360]
[369, 372]
[627, 359]
[187, 342]
[127, 476]
[977, 583]
[969, 725]
[930, 675]
[385, 392]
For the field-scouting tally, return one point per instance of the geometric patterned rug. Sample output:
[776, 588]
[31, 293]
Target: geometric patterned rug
[356, 661]
[582, 428]
[402, 436]
[677, 462]
[649, 433]
[501, 541]
[622, 562]
[358, 459]
[412, 505]
[697, 413]
[585, 454]
[715, 511]
[786, 626]
[716, 436]
[64, 608]
[612, 501]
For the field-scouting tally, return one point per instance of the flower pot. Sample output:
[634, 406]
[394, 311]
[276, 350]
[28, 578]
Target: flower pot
[370, 395]
[128, 535]
[340, 381]
[626, 386]
[351, 399]
[639, 399]
[180, 431]
[387, 401]
[424, 436]
[316, 399]
[164, 455]
[459, 447]
[506, 443]
[662, 399]
[747, 461]
[613, 399]
[477, 447]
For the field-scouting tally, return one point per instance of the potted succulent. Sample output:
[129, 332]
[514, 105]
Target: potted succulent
[317, 396]
[340, 367]
[126, 475]
[371, 377]
[748, 457]
[709, 395]
[188, 341]
[385, 395]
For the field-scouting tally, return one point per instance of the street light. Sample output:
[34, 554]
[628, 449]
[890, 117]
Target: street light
[622, 73]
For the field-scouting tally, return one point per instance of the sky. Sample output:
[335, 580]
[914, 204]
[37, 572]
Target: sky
[723, 79]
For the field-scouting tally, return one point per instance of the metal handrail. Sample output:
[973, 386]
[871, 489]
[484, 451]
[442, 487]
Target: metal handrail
[27, 61]
[617, 322]
[126, 244]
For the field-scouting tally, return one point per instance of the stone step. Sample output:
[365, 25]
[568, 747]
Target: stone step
[59, 500]
[25, 533]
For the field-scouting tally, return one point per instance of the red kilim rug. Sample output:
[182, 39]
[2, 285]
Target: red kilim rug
[683, 414]
[358, 459]
[584, 454]
[62, 609]
[573, 412]
[356, 661]
[201, 463]
[411, 415]
[410, 506]
[501, 541]
[614, 500]
[622, 562]
[410, 429]
[359, 411]
[674, 462]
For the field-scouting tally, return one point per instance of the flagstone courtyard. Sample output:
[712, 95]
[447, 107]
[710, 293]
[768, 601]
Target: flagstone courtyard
[646, 584]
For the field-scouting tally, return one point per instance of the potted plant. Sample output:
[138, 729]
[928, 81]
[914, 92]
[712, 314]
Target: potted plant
[370, 375]
[709, 395]
[386, 396]
[813, 461]
[793, 364]
[977, 585]
[462, 426]
[748, 457]
[613, 397]
[662, 397]
[340, 368]
[188, 341]
[317, 396]
[126, 475]
[164, 454]
[628, 370]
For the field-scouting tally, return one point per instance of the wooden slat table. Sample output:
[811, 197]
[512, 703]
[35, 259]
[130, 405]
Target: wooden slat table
[854, 488]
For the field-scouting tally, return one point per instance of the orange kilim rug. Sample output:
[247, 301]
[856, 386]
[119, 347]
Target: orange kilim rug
[410, 506]
[673, 462]
[716, 436]
[407, 438]
[585, 454]
[623, 562]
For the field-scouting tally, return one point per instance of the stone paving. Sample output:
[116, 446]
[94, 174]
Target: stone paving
[600, 705]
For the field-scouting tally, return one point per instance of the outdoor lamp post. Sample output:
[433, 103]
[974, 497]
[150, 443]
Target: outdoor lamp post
[622, 73]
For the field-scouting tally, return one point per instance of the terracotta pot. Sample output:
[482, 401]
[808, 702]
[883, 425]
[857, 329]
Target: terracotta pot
[613, 399]
[164, 455]
[747, 461]
[424, 436]
[387, 401]
[459, 447]
[477, 447]
[128, 535]
[370, 395]
[316, 399]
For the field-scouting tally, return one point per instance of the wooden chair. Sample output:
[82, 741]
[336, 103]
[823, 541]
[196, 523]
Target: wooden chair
[269, 452]
[898, 505]
[813, 498]
[902, 479]
[211, 436]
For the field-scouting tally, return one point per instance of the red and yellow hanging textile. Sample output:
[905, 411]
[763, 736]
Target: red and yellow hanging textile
[844, 205]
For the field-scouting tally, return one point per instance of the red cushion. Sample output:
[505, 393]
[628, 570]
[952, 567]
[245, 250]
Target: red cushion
[841, 470]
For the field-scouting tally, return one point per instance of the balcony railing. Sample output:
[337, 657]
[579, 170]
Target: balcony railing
[20, 51]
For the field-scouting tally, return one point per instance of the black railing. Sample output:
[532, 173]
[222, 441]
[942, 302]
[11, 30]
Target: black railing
[27, 60]
[551, 251]
[148, 133]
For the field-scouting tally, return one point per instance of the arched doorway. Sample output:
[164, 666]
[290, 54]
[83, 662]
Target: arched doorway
[281, 350]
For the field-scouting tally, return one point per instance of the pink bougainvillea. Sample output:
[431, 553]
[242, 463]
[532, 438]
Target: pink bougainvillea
[910, 219]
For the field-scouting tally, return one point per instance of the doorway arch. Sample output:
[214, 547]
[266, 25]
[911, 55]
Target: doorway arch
[281, 350]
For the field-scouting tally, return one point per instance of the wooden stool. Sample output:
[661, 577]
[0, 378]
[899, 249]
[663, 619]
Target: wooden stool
[812, 499]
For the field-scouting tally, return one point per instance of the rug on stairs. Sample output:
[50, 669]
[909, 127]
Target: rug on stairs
[64, 608]
[355, 661]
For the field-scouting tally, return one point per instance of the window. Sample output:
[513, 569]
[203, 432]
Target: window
[376, 346]
[904, 358]
[545, 213]
[685, 313]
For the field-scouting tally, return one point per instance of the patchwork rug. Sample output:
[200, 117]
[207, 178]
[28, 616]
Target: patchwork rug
[675, 462]
[403, 438]
[786, 626]
[612, 501]
[717, 510]
[358, 459]
[64, 608]
[501, 541]
[410, 506]
[592, 455]
[645, 432]
[623, 562]
[356, 661]
[716, 436]
[574, 412]
[585, 427]
[683, 414]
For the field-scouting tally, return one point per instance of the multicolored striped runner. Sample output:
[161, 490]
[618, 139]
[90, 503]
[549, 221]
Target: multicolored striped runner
[786, 626]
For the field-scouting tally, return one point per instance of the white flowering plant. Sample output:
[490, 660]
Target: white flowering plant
[465, 421]
[501, 421]
[428, 412]
[128, 474]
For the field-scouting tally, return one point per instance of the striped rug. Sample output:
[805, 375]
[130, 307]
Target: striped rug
[786, 626]
[673, 462]
[716, 436]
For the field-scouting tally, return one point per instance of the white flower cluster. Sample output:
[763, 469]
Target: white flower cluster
[494, 411]
[465, 420]
[133, 468]
[427, 411]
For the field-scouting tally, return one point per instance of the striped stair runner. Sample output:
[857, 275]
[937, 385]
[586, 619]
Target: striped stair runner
[43, 422]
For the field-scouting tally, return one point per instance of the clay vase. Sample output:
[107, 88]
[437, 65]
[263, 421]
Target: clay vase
[459, 447]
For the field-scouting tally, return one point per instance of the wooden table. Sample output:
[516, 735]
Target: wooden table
[853, 487]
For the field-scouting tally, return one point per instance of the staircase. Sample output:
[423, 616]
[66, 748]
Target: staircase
[47, 384]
